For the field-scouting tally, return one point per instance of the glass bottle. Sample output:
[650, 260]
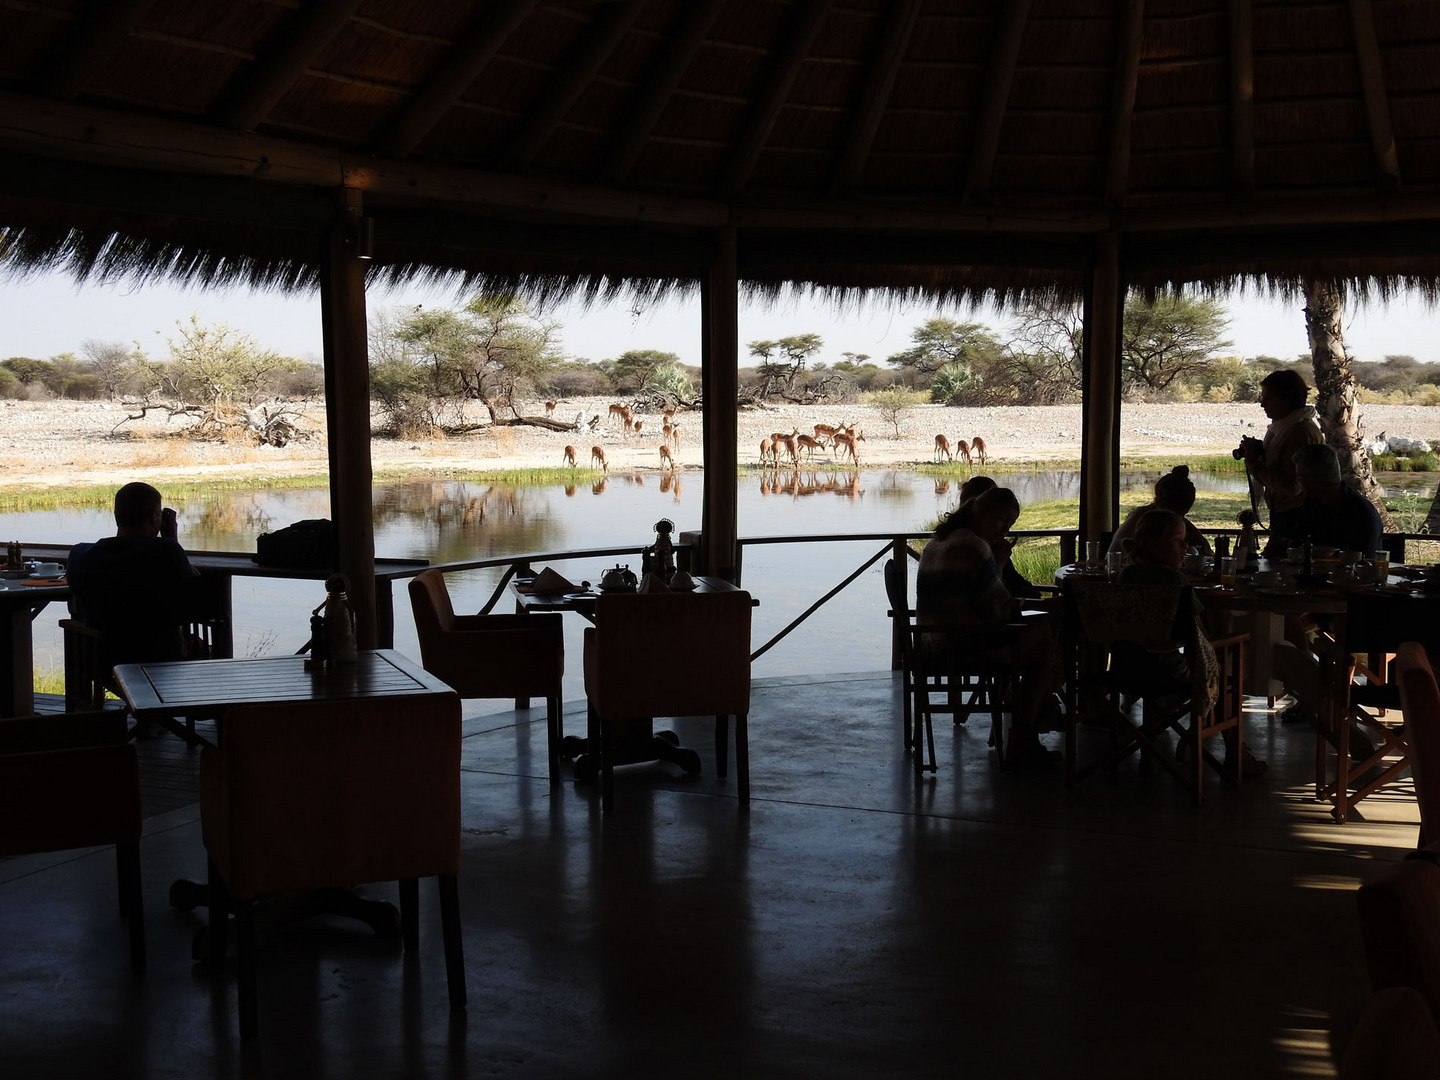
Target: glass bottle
[339, 621]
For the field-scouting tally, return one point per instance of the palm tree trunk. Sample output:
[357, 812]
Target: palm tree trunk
[1335, 390]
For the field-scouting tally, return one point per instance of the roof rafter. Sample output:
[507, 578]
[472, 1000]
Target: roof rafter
[875, 96]
[534, 131]
[103, 30]
[1242, 96]
[772, 99]
[299, 42]
[675, 57]
[997, 97]
[1372, 85]
[453, 76]
[1122, 105]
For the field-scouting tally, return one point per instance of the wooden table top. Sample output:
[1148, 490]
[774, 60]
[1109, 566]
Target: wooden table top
[583, 602]
[184, 687]
[1286, 598]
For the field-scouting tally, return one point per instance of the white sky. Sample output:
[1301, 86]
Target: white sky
[46, 315]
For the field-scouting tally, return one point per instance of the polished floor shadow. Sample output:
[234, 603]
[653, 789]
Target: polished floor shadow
[856, 922]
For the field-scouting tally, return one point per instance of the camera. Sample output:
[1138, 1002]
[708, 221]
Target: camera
[1246, 442]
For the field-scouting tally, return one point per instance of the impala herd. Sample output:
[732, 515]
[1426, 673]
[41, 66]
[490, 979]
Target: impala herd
[841, 441]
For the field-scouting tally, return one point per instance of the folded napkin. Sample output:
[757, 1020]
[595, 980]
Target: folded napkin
[653, 583]
[548, 581]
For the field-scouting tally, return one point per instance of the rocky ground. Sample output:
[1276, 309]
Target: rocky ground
[65, 443]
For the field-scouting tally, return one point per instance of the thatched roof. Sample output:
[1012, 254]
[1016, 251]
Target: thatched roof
[951, 147]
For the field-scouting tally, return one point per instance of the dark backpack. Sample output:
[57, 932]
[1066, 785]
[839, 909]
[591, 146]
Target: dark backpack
[304, 545]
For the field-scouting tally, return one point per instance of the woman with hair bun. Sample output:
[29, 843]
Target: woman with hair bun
[1174, 491]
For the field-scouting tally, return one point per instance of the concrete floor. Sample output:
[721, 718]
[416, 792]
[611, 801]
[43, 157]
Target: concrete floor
[855, 923]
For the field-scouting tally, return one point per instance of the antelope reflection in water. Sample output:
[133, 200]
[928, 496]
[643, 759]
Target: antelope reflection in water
[570, 490]
[942, 487]
[798, 483]
[598, 488]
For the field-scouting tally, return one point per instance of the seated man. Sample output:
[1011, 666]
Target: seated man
[1333, 514]
[134, 588]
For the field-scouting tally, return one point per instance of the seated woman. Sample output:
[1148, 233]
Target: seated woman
[1174, 492]
[1011, 578]
[959, 587]
[1157, 549]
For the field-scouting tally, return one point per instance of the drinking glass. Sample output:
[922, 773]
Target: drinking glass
[1092, 552]
[1227, 572]
[1381, 560]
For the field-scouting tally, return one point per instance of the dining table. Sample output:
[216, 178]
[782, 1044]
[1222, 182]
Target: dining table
[1260, 601]
[166, 691]
[645, 746]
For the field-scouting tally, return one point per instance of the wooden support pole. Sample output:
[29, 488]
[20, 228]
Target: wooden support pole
[1100, 433]
[347, 410]
[719, 378]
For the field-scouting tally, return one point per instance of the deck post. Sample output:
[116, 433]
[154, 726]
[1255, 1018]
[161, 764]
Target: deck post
[719, 379]
[1100, 432]
[347, 409]
[900, 621]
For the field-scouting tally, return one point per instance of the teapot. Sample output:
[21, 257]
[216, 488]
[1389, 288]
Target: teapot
[618, 579]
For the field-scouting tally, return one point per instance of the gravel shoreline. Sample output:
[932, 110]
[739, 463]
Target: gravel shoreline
[76, 444]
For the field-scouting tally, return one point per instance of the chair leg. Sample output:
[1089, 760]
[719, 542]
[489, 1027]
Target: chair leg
[132, 905]
[219, 906]
[410, 913]
[742, 758]
[245, 968]
[722, 746]
[555, 733]
[454, 945]
[607, 765]
[907, 711]
[1342, 769]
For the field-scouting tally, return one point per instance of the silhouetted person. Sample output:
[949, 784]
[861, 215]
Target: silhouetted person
[1293, 426]
[135, 588]
[1333, 514]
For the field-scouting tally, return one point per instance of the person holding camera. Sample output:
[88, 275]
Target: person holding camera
[1271, 461]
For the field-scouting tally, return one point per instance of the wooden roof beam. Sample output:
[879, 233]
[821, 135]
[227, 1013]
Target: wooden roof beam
[881, 80]
[75, 132]
[102, 30]
[783, 72]
[650, 102]
[996, 100]
[1242, 96]
[453, 77]
[1377, 103]
[299, 41]
[1122, 104]
[535, 129]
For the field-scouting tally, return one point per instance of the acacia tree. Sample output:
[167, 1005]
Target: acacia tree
[941, 342]
[1335, 389]
[486, 352]
[1173, 336]
[782, 361]
[633, 370]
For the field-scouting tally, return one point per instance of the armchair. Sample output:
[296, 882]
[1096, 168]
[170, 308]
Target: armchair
[492, 656]
[323, 795]
[631, 675]
[72, 781]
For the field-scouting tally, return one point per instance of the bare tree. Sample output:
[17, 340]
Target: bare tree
[110, 362]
